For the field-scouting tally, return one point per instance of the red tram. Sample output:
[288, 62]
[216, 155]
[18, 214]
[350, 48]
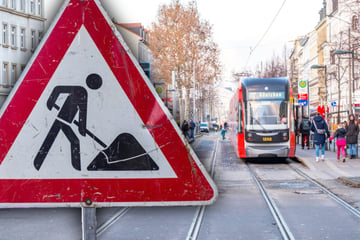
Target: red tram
[261, 118]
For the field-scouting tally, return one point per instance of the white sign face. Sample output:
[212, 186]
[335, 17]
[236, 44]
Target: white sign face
[59, 147]
[303, 86]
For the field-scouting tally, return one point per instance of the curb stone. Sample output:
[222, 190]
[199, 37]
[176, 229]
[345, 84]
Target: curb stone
[352, 181]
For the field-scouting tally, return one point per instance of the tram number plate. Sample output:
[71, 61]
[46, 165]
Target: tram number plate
[267, 139]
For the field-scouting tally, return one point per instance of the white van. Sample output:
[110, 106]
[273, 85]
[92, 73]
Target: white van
[204, 127]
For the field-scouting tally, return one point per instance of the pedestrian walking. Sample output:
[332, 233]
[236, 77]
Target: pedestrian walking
[223, 132]
[352, 132]
[185, 128]
[192, 128]
[305, 132]
[340, 135]
[321, 133]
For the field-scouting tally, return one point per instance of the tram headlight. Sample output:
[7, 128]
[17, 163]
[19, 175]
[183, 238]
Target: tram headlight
[285, 136]
[249, 137]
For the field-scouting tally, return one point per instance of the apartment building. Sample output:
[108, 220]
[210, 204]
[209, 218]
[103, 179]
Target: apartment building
[343, 37]
[333, 68]
[22, 27]
[136, 37]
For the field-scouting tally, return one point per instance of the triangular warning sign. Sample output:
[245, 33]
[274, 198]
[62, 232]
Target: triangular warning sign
[84, 125]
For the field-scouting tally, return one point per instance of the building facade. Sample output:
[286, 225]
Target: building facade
[22, 27]
[136, 37]
[332, 65]
[303, 56]
[343, 74]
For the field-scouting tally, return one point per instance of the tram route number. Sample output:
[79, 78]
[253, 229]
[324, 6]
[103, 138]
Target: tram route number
[267, 139]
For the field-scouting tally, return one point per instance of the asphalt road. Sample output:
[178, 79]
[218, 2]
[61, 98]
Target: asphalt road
[240, 211]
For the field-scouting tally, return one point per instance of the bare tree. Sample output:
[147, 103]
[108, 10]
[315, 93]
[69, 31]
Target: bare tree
[275, 67]
[182, 42]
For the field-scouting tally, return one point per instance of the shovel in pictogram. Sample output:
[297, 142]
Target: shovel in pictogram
[124, 153]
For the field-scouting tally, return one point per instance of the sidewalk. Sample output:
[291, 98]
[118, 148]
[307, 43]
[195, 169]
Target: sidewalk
[348, 172]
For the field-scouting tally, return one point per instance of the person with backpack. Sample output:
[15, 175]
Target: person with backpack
[352, 132]
[340, 135]
[185, 128]
[305, 132]
[321, 133]
[192, 128]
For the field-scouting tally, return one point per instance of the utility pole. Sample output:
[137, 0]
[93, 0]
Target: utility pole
[173, 76]
[339, 91]
[350, 82]
[194, 100]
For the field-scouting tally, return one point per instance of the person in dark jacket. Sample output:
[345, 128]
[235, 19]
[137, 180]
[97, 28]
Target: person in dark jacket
[305, 132]
[317, 124]
[340, 135]
[185, 128]
[352, 132]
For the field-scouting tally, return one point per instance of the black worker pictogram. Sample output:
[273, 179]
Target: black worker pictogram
[124, 153]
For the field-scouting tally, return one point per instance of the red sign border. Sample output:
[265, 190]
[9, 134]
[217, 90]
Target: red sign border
[193, 185]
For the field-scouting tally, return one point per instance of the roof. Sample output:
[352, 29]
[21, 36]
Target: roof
[135, 28]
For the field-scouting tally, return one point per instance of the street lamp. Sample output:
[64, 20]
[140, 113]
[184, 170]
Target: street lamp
[158, 83]
[341, 52]
[315, 66]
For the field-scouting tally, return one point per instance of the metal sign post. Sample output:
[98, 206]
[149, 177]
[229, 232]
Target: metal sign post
[88, 220]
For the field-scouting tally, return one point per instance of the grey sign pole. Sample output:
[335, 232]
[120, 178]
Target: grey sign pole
[88, 219]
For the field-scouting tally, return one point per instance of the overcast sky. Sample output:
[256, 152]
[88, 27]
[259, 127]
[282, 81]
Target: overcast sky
[238, 24]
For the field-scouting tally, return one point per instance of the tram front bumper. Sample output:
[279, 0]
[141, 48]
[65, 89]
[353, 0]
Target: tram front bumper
[267, 151]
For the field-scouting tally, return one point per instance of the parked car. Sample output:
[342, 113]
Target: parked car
[215, 127]
[204, 127]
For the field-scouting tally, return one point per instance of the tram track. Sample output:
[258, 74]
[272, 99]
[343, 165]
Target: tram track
[119, 214]
[332, 195]
[275, 212]
[199, 215]
[280, 220]
[197, 219]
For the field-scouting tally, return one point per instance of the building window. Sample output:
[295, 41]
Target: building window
[32, 7]
[22, 38]
[5, 34]
[22, 68]
[13, 74]
[41, 35]
[3, 3]
[33, 41]
[12, 4]
[5, 74]
[38, 7]
[334, 5]
[355, 23]
[13, 36]
[332, 57]
[22, 5]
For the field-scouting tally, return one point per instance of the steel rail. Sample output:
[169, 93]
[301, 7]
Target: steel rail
[197, 220]
[326, 190]
[120, 213]
[195, 226]
[281, 223]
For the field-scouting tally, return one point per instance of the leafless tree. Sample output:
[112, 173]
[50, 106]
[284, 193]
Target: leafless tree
[180, 41]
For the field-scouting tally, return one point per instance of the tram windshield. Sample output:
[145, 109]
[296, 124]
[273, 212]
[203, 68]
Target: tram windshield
[267, 114]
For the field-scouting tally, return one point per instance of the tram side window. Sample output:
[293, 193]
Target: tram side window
[240, 118]
[283, 112]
